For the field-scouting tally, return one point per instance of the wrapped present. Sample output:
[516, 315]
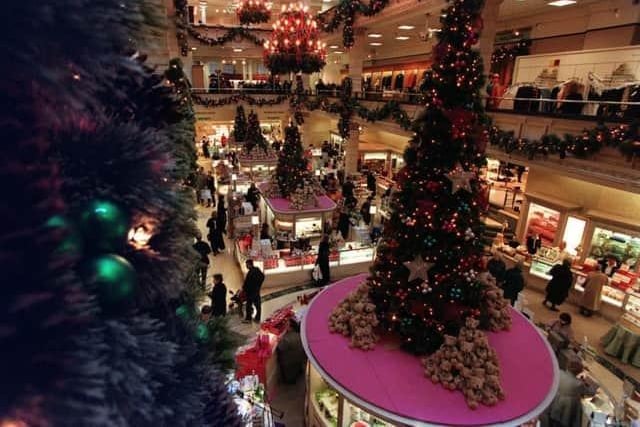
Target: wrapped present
[292, 261]
[278, 322]
[270, 263]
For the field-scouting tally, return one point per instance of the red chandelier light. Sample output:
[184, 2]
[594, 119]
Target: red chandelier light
[294, 46]
[253, 12]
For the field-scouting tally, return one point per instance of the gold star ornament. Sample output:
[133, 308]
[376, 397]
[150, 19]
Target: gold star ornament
[460, 180]
[418, 268]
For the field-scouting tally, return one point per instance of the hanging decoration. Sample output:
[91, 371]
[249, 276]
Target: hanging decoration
[236, 99]
[112, 277]
[294, 46]
[104, 226]
[253, 12]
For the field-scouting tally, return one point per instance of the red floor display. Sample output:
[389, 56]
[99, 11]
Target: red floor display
[390, 382]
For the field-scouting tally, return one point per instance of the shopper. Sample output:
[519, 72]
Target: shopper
[253, 195]
[371, 182]
[558, 287]
[562, 326]
[591, 298]
[365, 211]
[566, 407]
[534, 243]
[609, 265]
[218, 296]
[211, 186]
[215, 234]
[205, 313]
[348, 188]
[222, 216]
[322, 260]
[203, 265]
[513, 282]
[497, 267]
[264, 232]
[291, 355]
[251, 287]
[344, 224]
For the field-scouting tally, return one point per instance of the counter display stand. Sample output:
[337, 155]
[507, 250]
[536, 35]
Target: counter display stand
[387, 386]
[284, 267]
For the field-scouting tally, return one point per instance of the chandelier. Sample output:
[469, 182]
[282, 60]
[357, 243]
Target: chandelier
[254, 12]
[294, 46]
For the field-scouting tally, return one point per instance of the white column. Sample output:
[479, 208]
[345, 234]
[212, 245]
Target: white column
[351, 149]
[357, 54]
[487, 37]
[203, 12]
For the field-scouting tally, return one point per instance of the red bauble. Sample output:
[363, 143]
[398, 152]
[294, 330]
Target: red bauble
[402, 176]
[434, 186]
[418, 308]
[425, 208]
[453, 312]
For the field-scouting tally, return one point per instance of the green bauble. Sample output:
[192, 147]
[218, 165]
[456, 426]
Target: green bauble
[202, 332]
[71, 243]
[183, 312]
[112, 277]
[104, 226]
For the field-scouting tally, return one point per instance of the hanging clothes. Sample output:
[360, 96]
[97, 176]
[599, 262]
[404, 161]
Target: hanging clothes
[399, 82]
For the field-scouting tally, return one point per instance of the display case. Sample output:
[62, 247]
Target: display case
[328, 408]
[632, 309]
[544, 222]
[624, 247]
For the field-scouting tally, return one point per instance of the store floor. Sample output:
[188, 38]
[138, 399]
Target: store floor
[290, 399]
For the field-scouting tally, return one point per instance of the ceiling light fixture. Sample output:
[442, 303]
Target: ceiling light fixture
[560, 3]
[334, 46]
[375, 44]
[237, 50]
[406, 27]
[374, 35]
[338, 51]
[402, 37]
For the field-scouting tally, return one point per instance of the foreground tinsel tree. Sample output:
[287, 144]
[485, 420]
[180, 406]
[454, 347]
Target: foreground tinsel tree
[97, 320]
[425, 284]
[240, 125]
[293, 167]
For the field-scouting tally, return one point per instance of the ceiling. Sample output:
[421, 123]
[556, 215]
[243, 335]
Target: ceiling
[422, 16]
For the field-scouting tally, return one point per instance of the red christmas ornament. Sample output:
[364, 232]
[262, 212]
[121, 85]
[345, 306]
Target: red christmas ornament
[434, 186]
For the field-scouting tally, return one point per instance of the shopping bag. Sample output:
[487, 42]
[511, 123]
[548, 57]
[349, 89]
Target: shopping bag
[316, 273]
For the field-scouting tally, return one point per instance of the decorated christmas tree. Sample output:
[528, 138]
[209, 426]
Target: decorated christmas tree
[240, 125]
[293, 167]
[424, 282]
[97, 314]
[254, 137]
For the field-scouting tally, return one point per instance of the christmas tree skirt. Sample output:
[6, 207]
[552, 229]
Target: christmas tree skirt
[391, 382]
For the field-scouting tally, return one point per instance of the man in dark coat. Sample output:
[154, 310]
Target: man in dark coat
[348, 188]
[322, 260]
[204, 250]
[291, 355]
[218, 296]
[513, 282]
[251, 287]
[558, 287]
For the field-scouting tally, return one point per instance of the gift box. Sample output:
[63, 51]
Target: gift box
[292, 261]
[270, 263]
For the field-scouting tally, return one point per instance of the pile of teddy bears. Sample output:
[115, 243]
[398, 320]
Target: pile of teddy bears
[467, 363]
[495, 309]
[355, 317]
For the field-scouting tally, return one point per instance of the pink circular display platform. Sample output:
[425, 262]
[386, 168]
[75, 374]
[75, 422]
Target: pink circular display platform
[390, 382]
[283, 206]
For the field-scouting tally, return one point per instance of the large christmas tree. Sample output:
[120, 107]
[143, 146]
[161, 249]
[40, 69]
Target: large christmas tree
[254, 138]
[240, 125]
[423, 281]
[293, 167]
[97, 317]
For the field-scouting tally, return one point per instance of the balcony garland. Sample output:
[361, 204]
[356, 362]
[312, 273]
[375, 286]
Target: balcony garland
[345, 13]
[510, 52]
[235, 99]
[231, 34]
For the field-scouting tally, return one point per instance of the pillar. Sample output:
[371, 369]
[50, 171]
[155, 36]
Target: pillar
[202, 18]
[487, 37]
[351, 152]
[197, 76]
[357, 55]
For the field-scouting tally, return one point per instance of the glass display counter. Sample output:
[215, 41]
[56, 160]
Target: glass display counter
[623, 247]
[328, 408]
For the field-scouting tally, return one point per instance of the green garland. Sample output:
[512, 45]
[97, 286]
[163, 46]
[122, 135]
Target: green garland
[231, 34]
[583, 146]
[235, 99]
[345, 13]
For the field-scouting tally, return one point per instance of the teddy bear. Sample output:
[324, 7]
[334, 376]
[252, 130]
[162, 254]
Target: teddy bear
[473, 392]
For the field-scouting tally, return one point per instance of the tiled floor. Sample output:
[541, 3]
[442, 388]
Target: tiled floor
[290, 399]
